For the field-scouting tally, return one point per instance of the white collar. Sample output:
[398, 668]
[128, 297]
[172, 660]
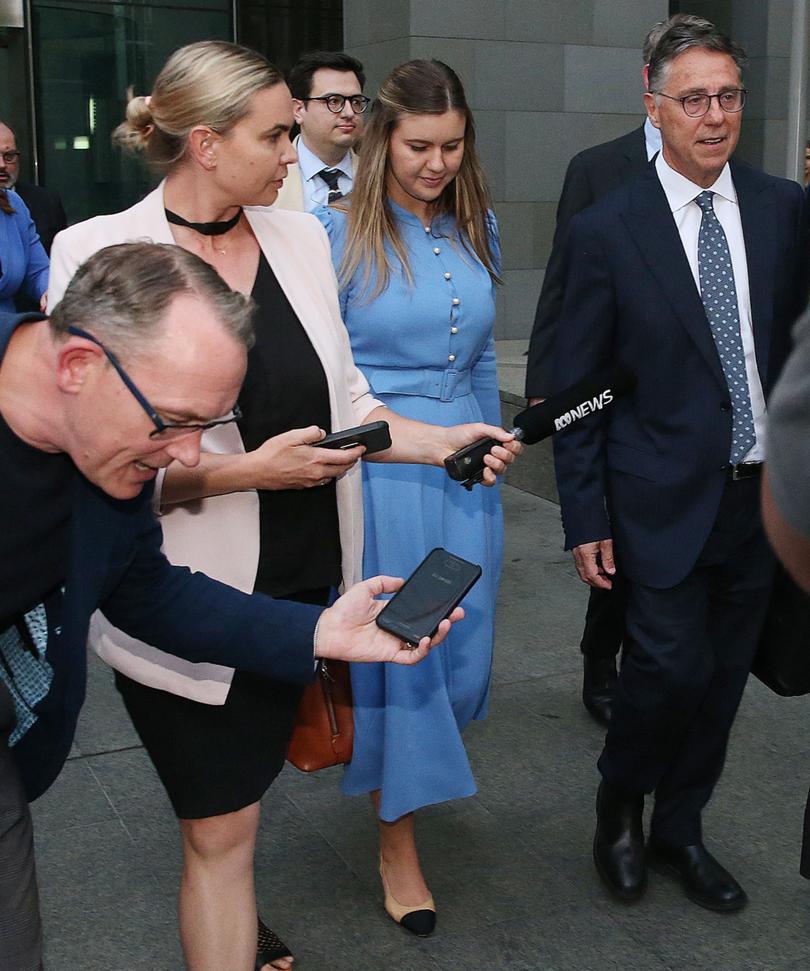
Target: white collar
[310, 165]
[652, 139]
[680, 191]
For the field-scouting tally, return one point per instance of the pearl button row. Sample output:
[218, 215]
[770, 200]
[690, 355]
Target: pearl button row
[448, 276]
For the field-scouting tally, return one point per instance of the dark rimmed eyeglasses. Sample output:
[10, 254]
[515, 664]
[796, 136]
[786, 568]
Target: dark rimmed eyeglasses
[335, 102]
[10, 157]
[164, 430]
[697, 105]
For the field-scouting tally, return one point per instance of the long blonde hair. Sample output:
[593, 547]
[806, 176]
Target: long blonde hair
[420, 87]
[207, 83]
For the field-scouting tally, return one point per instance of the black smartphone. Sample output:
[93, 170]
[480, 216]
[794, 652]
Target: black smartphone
[431, 593]
[376, 436]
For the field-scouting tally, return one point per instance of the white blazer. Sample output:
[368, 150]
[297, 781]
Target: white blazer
[220, 535]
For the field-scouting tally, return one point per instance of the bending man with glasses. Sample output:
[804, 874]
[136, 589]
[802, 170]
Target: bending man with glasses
[82, 439]
[691, 275]
[329, 105]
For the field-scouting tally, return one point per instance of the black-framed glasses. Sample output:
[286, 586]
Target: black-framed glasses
[697, 105]
[164, 430]
[10, 157]
[335, 102]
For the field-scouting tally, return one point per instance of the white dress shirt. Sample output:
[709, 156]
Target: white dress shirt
[316, 191]
[652, 139]
[681, 193]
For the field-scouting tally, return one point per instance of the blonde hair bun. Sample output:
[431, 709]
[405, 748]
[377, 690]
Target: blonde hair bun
[134, 132]
[207, 83]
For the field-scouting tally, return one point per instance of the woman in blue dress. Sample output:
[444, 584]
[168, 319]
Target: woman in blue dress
[415, 248]
[23, 261]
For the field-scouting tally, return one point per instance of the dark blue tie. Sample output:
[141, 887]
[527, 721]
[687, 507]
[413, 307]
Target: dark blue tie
[719, 296]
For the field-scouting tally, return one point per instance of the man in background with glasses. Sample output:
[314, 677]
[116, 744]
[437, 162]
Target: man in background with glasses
[691, 275]
[44, 205]
[329, 104]
[146, 349]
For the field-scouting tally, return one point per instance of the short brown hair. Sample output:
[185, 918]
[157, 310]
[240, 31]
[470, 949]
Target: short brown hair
[301, 73]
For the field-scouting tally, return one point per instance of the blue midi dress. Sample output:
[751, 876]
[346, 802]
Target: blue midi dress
[427, 351]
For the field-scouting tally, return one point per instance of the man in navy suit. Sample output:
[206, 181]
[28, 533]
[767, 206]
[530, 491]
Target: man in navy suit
[82, 437]
[691, 275]
[590, 176]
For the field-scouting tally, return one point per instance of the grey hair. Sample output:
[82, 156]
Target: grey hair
[122, 293]
[683, 34]
[658, 30]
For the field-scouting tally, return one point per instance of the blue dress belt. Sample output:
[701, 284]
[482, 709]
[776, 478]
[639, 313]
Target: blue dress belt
[427, 382]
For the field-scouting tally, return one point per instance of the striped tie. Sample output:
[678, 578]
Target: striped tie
[330, 177]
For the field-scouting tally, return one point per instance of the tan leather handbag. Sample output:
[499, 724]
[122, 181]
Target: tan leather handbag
[324, 727]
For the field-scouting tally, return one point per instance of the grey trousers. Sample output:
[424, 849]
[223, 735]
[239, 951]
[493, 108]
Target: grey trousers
[20, 929]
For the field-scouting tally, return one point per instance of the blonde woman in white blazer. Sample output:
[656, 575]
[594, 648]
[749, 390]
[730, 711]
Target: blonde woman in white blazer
[217, 124]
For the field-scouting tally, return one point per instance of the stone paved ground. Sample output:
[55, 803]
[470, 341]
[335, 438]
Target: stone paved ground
[510, 869]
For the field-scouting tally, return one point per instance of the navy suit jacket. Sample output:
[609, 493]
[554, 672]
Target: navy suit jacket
[650, 472]
[590, 176]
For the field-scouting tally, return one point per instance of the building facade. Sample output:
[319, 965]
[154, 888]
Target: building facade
[544, 78]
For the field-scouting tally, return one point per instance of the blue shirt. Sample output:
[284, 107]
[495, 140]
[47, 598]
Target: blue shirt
[23, 262]
[316, 191]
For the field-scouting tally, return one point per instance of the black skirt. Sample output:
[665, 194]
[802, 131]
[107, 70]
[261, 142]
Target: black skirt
[217, 759]
[214, 759]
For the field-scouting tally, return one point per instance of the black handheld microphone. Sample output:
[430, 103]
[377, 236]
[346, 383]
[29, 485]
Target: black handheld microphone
[593, 393]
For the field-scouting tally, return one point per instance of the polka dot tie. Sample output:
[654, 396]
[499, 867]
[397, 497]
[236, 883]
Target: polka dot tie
[719, 296]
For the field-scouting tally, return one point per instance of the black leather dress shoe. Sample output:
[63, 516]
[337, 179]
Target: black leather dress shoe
[704, 880]
[598, 684]
[618, 846]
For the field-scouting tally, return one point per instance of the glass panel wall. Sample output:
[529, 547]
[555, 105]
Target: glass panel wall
[14, 94]
[86, 55]
[282, 30]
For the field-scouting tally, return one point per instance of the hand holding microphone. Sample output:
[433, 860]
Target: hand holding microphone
[592, 394]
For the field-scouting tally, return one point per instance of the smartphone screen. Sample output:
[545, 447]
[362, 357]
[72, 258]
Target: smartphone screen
[429, 595]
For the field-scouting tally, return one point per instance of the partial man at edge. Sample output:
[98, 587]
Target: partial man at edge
[786, 484]
[45, 205]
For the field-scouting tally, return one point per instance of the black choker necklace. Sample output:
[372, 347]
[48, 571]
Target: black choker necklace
[206, 229]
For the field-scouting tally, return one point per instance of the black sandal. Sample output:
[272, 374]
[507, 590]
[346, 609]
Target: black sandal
[269, 947]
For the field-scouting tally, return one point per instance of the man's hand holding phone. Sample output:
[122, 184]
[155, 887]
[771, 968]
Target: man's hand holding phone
[348, 631]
